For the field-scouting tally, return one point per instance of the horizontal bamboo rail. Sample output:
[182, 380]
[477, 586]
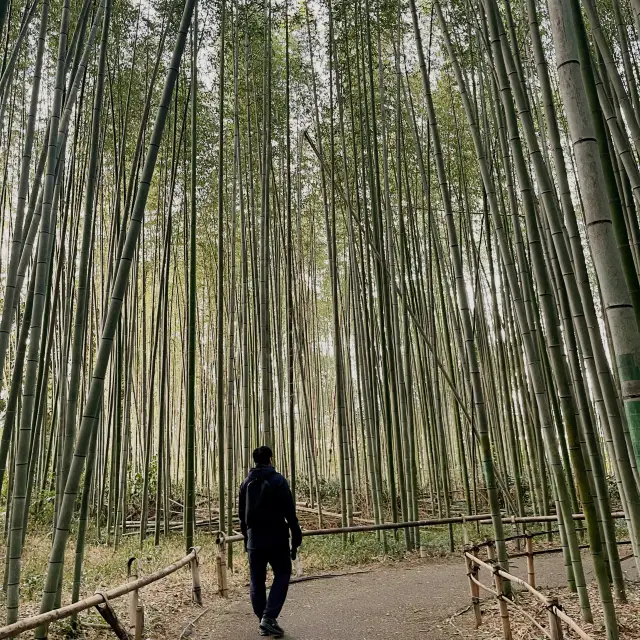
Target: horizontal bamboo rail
[543, 552]
[482, 518]
[484, 586]
[12, 630]
[618, 515]
[382, 527]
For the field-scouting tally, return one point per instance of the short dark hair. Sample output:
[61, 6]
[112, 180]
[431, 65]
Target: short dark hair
[262, 455]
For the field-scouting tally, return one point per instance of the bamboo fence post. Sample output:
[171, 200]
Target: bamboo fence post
[196, 592]
[472, 573]
[139, 628]
[531, 573]
[516, 532]
[133, 595]
[555, 626]
[221, 566]
[491, 549]
[502, 604]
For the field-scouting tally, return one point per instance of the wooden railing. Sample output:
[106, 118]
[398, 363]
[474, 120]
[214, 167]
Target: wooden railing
[101, 600]
[555, 615]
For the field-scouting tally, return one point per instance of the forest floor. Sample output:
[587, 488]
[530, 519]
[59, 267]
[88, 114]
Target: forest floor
[364, 597]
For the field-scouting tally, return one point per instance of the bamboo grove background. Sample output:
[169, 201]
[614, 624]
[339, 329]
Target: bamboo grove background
[398, 242]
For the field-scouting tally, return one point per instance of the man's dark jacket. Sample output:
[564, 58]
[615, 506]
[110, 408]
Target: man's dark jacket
[274, 530]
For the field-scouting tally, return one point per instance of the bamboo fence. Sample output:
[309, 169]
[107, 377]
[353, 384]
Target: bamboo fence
[102, 599]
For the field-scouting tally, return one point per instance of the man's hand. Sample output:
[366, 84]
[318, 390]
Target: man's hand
[294, 553]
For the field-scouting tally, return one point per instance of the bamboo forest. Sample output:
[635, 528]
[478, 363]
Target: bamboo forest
[397, 241]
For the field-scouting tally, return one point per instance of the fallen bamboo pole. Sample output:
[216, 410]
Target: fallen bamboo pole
[332, 514]
[12, 630]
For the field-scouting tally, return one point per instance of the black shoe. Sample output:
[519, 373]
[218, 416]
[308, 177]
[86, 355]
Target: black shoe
[270, 627]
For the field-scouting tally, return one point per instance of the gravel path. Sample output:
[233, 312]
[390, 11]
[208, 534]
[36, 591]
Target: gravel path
[409, 601]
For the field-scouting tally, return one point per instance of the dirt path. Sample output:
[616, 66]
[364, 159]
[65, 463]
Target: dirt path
[409, 601]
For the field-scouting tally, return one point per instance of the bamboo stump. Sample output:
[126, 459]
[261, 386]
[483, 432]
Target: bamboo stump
[531, 573]
[516, 533]
[491, 550]
[465, 531]
[133, 596]
[472, 573]
[221, 566]
[139, 628]
[555, 626]
[196, 591]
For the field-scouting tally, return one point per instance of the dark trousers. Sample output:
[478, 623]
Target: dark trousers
[280, 560]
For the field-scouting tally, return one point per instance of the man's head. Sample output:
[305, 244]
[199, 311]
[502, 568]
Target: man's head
[262, 455]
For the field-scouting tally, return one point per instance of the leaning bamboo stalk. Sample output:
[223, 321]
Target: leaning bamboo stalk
[27, 624]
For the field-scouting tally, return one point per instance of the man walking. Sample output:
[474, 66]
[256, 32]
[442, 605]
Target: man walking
[267, 514]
